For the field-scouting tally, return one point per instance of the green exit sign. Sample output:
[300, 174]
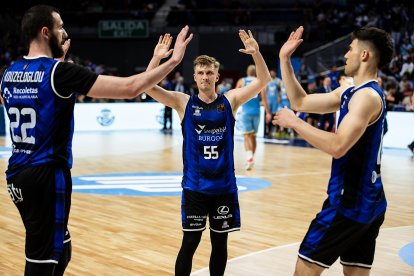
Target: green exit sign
[123, 28]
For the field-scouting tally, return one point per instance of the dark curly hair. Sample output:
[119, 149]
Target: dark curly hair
[380, 40]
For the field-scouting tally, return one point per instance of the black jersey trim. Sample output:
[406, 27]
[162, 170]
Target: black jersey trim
[185, 109]
[52, 81]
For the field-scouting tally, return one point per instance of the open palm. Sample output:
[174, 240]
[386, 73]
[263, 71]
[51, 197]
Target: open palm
[250, 44]
[162, 50]
[180, 44]
[294, 40]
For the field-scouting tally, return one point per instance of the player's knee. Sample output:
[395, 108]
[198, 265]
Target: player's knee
[351, 271]
[218, 239]
[192, 238]
[304, 268]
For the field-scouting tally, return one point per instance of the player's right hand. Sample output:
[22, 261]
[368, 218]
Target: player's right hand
[181, 44]
[162, 49]
[293, 42]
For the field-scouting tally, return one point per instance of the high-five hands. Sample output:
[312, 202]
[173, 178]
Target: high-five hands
[293, 42]
[162, 50]
[180, 44]
[250, 44]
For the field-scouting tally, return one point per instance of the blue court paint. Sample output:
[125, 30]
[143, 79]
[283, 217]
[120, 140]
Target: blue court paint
[407, 254]
[5, 152]
[148, 184]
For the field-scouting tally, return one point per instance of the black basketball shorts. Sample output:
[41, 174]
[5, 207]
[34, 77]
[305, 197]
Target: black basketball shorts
[223, 211]
[331, 236]
[42, 194]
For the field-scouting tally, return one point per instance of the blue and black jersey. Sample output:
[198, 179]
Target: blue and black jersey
[355, 186]
[39, 98]
[208, 132]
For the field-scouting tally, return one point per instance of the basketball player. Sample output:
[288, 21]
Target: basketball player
[273, 99]
[38, 94]
[352, 214]
[209, 182]
[250, 116]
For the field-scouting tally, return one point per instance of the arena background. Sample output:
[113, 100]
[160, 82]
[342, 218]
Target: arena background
[117, 38]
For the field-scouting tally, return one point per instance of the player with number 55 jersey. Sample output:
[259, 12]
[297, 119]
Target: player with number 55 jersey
[209, 181]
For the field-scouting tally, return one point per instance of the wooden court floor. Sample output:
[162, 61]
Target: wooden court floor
[126, 235]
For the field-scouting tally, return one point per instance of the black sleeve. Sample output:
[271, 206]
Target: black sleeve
[70, 78]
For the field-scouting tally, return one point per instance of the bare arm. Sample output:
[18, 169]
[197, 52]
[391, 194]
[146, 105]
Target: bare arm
[173, 99]
[300, 101]
[240, 95]
[130, 87]
[364, 108]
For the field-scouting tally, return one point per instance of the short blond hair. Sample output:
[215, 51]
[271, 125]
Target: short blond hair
[251, 70]
[206, 60]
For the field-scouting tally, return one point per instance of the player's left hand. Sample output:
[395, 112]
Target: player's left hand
[251, 46]
[285, 118]
[162, 49]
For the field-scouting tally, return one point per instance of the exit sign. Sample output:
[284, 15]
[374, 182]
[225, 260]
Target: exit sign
[123, 28]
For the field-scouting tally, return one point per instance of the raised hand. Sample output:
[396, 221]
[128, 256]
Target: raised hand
[250, 44]
[162, 49]
[180, 44]
[65, 48]
[294, 40]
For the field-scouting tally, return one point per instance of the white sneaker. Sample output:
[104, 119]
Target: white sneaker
[249, 164]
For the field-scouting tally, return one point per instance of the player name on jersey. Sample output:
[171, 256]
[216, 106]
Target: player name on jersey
[20, 76]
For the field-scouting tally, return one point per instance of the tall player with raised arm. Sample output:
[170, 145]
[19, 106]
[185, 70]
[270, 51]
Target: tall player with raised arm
[209, 182]
[39, 96]
[350, 219]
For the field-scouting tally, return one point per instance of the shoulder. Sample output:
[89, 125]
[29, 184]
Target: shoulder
[367, 93]
[367, 98]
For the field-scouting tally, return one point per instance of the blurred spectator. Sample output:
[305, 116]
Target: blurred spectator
[303, 75]
[334, 76]
[327, 120]
[167, 125]
[273, 91]
[223, 87]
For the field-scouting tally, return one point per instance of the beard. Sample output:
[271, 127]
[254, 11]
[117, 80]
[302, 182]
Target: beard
[55, 47]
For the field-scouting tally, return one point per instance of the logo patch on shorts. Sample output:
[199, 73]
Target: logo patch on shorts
[15, 193]
[223, 210]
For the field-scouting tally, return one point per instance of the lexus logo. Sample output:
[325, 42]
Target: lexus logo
[223, 210]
